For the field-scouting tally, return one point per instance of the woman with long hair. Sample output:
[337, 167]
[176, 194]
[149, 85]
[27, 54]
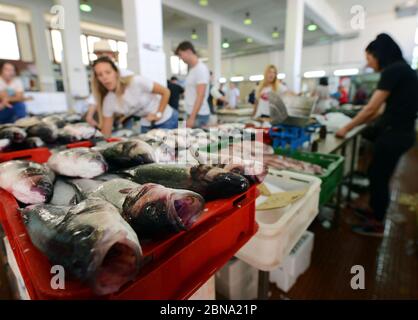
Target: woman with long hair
[128, 96]
[393, 133]
[270, 84]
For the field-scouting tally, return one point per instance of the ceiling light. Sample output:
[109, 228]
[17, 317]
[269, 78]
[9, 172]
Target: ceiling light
[85, 7]
[237, 79]
[225, 44]
[247, 20]
[222, 80]
[204, 3]
[315, 74]
[194, 35]
[255, 78]
[250, 40]
[275, 34]
[312, 27]
[346, 72]
[281, 76]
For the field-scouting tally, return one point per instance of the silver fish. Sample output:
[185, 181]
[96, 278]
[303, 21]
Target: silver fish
[78, 163]
[29, 182]
[90, 240]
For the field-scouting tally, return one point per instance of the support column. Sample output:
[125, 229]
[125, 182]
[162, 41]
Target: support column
[143, 23]
[168, 53]
[74, 72]
[43, 63]
[215, 51]
[294, 43]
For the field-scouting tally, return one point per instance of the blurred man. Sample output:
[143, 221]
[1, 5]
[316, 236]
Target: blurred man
[197, 87]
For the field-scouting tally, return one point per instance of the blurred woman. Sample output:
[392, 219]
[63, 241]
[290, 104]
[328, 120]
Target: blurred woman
[12, 106]
[324, 98]
[268, 85]
[393, 133]
[129, 96]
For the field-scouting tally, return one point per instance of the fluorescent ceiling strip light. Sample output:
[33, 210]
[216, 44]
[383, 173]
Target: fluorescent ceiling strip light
[315, 74]
[346, 72]
[258, 77]
[237, 79]
[281, 76]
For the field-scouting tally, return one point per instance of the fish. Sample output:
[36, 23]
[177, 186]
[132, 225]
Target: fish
[46, 131]
[13, 133]
[65, 137]
[32, 143]
[4, 144]
[82, 131]
[28, 182]
[210, 182]
[285, 163]
[126, 154]
[78, 163]
[72, 118]
[90, 240]
[56, 120]
[65, 193]
[124, 133]
[152, 210]
[27, 122]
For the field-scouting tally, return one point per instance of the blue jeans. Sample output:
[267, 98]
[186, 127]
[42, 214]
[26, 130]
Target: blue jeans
[10, 115]
[201, 121]
[171, 123]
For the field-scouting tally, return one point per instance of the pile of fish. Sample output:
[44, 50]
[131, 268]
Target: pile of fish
[286, 163]
[35, 132]
[88, 209]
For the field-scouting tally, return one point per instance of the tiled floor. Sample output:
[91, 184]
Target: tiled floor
[391, 263]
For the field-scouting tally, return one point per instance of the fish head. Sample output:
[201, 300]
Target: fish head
[220, 183]
[97, 162]
[155, 206]
[107, 253]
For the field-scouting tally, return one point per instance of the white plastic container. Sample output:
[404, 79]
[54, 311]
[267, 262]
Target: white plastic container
[280, 229]
[295, 264]
[237, 281]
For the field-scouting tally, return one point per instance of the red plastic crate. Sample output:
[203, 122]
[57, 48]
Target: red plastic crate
[39, 155]
[175, 266]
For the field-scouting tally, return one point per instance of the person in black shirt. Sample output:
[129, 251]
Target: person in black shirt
[394, 131]
[176, 92]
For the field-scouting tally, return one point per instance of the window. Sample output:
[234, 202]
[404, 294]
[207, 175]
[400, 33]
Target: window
[87, 48]
[178, 67]
[8, 39]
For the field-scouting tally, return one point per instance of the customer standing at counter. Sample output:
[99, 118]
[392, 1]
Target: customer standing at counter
[132, 95]
[12, 105]
[197, 87]
[395, 129]
[270, 84]
[233, 96]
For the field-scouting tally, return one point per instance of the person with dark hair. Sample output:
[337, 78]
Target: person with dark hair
[197, 87]
[176, 92]
[393, 133]
[12, 100]
[360, 97]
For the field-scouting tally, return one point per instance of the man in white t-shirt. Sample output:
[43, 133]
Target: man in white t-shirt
[233, 96]
[102, 48]
[197, 87]
[12, 106]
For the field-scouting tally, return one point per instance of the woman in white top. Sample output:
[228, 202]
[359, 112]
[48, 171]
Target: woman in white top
[233, 96]
[324, 97]
[129, 96]
[12, 106]
[269, 84]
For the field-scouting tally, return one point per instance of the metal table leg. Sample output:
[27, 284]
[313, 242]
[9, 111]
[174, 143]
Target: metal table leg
[263, 285]
[336, 220]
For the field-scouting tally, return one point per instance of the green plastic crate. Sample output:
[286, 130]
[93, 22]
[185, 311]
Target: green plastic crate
[332, 163]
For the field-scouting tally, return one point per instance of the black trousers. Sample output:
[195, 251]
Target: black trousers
[389, 146]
